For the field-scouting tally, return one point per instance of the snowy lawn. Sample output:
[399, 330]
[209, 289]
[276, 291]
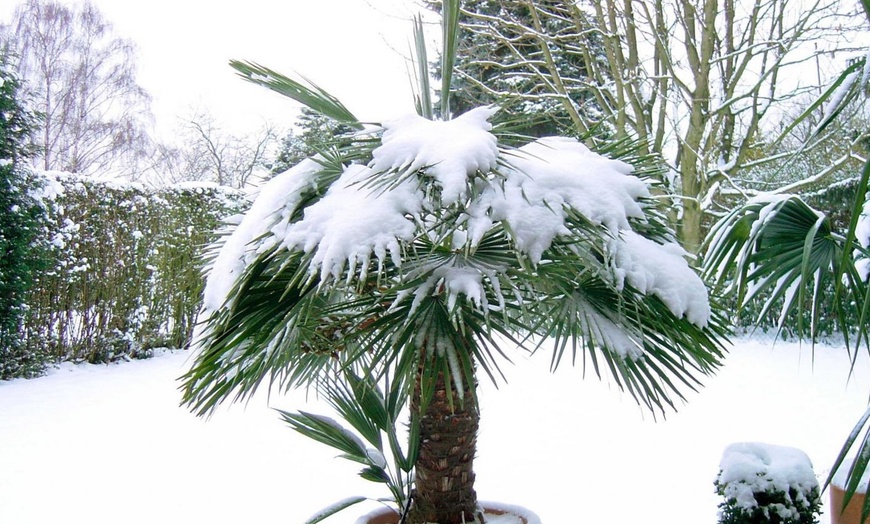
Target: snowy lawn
[109, 444]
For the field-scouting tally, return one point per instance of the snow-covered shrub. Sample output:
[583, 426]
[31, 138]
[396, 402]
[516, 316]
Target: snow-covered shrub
[20, 217]
[124, 275]
[767, 484]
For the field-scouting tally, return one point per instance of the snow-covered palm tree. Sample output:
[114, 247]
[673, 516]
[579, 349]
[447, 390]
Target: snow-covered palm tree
[420, 252]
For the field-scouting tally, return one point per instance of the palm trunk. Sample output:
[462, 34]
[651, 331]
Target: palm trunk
[444, 475]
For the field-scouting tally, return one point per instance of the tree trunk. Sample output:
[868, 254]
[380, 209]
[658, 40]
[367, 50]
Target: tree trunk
[444, 477]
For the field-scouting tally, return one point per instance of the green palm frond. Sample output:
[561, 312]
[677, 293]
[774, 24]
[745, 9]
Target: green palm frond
[423, 97]
[785, 251]
[450, 32]
[304, 91]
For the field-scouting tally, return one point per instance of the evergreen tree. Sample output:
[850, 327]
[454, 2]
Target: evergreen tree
[317, 133]
[501, 60]
[20, 217]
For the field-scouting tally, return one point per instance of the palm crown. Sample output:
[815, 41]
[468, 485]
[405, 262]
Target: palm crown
[414, 252]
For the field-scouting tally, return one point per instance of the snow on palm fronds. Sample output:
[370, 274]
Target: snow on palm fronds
[367, 214]
[437, 211]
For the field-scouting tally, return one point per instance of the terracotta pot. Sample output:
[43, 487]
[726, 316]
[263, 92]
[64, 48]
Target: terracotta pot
[490, 509]
[852, 513]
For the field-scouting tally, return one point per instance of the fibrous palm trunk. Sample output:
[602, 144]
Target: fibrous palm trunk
[444, 475]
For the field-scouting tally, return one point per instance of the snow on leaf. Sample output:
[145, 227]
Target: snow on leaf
[449, 151]
[352, 222]
[662, 270]
[547, 175]
[276, 202]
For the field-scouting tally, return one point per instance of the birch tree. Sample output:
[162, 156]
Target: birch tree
[82, 77]
[702, 82]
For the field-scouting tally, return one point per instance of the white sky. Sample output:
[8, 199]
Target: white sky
[354, 49]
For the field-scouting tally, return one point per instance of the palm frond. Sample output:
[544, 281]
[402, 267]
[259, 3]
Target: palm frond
[423, 97]
[785, 251]
[450, 33]
[303, 91]
[834, 99]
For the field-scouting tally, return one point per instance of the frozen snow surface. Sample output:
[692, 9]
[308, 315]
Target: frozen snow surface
[108, 444]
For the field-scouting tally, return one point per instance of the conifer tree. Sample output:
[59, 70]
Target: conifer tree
[19, 222]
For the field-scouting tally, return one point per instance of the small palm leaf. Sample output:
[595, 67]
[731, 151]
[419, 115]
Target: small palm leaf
[327, 431]
[421, 71]
[333, 509]
[778, 249]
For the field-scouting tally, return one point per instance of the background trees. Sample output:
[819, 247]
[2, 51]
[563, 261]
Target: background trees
[202, 149]
[707, 83]
[500, 58]
[82, 76]
[314, 132]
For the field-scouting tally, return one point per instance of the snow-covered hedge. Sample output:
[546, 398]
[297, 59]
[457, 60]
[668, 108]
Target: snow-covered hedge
[764, 483]
[124, 274]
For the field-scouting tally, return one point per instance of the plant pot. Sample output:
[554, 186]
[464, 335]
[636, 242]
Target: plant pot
[852, 513]
[493, 512]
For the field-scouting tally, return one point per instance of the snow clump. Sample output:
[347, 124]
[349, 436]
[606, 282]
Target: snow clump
[748, 469]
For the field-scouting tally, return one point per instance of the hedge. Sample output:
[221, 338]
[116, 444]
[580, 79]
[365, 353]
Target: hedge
[125, 273]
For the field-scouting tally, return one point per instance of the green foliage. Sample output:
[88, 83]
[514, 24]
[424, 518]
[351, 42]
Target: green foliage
[375, 417]
[318, 134]
[773, 507]
[124, 275]
[423, 311]
[20, 219]
[754, 315]
[499, 60]
[303, 91]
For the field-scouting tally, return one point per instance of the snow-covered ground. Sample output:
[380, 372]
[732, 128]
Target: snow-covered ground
[109, 444]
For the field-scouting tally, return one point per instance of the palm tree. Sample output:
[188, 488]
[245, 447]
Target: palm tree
[412, 253]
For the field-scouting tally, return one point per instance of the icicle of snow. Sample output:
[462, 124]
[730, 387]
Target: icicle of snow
[463, 281]
[449, 151]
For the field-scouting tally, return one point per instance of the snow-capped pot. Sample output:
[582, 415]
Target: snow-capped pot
[766, 483]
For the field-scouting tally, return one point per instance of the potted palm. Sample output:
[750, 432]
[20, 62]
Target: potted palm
[404, 260]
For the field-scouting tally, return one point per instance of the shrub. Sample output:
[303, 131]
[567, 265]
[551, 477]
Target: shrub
[20, 218]
[767, 484]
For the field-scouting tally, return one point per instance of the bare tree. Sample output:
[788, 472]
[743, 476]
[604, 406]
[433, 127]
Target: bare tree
[83, 80]
[701, 81]
[203, 151]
